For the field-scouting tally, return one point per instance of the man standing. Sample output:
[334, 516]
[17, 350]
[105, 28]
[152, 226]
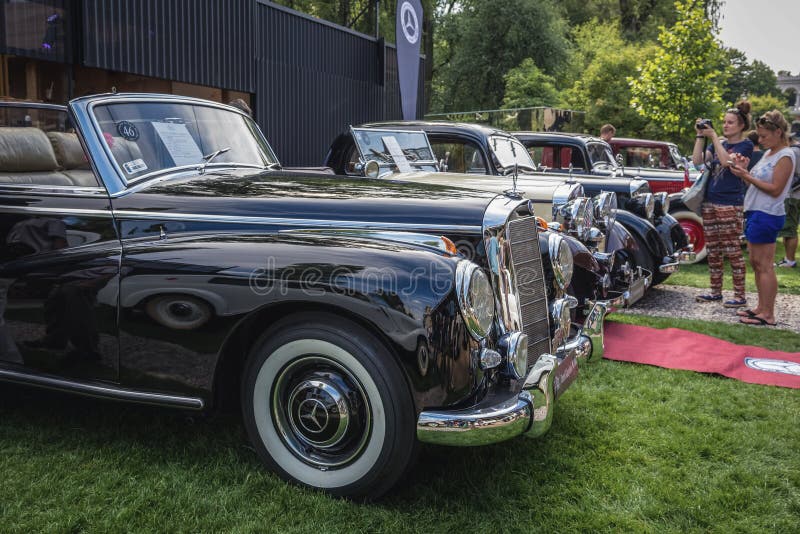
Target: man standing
[607, 131]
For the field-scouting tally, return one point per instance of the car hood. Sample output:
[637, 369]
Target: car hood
[317, 198]
[535, 187]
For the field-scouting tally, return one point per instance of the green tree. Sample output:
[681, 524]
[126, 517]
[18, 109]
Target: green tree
[760, 104]
[748, 78]
[478, 43]
[683, 80]
[601, 63]
[528, 86]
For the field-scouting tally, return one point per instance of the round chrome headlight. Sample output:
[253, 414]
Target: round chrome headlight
[561, 260]
[661, 204]
[605, 205]
[516, 347]
[577, 217]
[560, 313]
[475, 298]
[644, 205]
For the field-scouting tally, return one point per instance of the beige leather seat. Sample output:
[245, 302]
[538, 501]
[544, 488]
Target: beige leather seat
[70, 155]
[27, 157]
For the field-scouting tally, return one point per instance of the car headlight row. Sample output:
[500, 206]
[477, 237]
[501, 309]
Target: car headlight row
[605, 205]
[576, 217]
[475, 298]
[644, 205]
[561, 260]
[661, 204]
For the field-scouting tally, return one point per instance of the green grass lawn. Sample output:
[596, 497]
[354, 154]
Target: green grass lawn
[632, 448]
[697, 275]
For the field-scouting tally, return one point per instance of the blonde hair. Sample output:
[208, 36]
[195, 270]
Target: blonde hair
[774, 120]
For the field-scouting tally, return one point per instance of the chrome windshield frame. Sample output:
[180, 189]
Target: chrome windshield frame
[109, 171]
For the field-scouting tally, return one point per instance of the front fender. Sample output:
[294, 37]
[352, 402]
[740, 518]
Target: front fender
[671, 233]
[645, 232]
[404, 293]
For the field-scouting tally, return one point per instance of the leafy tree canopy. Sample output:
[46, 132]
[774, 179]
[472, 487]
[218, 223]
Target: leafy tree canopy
[683, 80]
[600, 66]
[528, 86]
[748, 78]
[485, 39]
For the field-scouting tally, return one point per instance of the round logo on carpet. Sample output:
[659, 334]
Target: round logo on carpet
[773, 366]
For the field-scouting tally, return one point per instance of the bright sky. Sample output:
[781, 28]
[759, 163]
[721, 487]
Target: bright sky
[767, 30]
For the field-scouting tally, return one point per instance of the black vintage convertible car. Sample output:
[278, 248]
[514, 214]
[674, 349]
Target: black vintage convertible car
[154, 251]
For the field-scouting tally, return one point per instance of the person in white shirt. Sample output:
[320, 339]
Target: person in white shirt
[769, 181]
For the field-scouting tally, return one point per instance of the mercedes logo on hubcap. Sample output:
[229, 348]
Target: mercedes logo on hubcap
[312, 415]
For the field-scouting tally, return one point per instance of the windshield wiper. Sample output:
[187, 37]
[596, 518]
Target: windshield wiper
[208, 158]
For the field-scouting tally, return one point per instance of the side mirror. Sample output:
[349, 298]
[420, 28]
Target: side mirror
[620, 160]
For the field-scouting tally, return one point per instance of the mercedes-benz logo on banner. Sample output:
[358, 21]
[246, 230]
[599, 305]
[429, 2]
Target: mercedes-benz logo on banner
[773, 366]
[410, 22]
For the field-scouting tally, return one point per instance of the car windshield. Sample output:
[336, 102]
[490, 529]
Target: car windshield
[508, 152]
[601, 156]
[147, 138]
[677, 159]
[395, 148]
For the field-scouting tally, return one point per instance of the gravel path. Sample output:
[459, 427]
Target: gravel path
[678, 301]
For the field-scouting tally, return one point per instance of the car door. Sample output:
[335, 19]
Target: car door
[59, 266]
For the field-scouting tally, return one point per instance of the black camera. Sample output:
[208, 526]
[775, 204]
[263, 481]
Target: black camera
[702, 124]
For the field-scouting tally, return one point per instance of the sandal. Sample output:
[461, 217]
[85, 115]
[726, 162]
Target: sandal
[745, 313]
[758, 321]
[735, 303]
[708, 298]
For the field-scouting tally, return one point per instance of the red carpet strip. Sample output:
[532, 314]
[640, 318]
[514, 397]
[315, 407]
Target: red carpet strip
[674, 348]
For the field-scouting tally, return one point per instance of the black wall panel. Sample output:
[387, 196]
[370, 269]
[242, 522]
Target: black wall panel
[204, 42]
[315, 79]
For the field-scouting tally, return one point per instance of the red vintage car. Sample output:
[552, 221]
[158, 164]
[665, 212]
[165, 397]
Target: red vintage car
[649, 154]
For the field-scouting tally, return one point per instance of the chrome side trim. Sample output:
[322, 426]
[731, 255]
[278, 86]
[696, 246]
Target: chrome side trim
[66, 190]
[60, 211]
[278, 221]
[105, 391]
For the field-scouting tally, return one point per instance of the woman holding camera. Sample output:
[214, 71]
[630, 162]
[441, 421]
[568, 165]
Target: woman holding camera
[722, 205]
[770, 181]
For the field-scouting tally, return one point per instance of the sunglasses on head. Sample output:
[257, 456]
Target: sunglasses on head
[764, 121]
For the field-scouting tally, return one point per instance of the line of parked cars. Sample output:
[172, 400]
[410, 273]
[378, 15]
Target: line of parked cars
[439, 288]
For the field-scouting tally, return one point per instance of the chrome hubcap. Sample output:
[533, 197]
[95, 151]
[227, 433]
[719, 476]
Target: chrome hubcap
[321, 412]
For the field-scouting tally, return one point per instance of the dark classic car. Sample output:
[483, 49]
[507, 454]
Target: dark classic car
[480, 150]
[579, 154]
[159, 254]
[605, 254]
[590, 160]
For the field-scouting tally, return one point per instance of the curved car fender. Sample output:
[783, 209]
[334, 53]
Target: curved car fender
[406, 292]
[619, 238]
[671, 233]
[645, 231]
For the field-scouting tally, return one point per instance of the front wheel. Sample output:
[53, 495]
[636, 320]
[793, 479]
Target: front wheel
[326, 406]
[692, 224]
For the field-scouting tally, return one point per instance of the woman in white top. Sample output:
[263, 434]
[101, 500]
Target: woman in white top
[769, 181]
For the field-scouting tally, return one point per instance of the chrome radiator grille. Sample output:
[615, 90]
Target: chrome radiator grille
[526, 259]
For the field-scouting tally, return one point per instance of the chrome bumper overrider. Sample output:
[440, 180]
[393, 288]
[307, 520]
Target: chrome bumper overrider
[529, 413]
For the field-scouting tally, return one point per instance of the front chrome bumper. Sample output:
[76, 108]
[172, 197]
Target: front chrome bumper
[686, 255]
[531, 412]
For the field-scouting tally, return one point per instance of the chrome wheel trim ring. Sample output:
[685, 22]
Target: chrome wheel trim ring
[282, 455]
